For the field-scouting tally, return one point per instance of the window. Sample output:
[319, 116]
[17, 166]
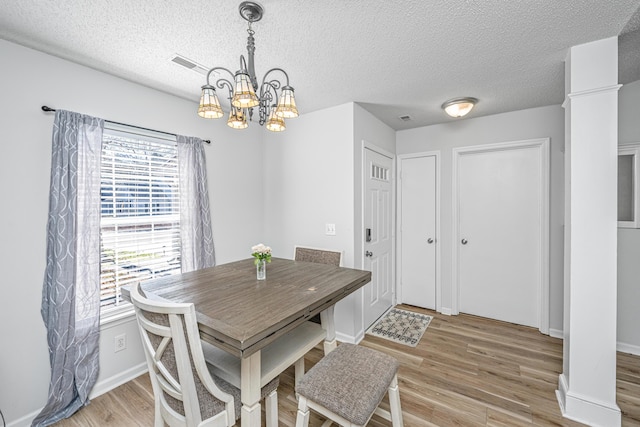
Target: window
[140, 212]
[379, 172]
[628, 186]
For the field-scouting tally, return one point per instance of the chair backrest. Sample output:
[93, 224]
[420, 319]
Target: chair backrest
[320, 256]
[185, 392]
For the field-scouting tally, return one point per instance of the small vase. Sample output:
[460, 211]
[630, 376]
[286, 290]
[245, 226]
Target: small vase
[261, 269]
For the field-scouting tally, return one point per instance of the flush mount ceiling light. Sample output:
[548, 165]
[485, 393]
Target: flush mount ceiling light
[275, 101]
[459, 107]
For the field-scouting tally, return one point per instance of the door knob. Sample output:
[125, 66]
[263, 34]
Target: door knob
[429, 240]
[464, 241]
[367, 253]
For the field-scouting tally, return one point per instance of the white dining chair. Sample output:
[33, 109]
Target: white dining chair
[186, 393]
[320, 256]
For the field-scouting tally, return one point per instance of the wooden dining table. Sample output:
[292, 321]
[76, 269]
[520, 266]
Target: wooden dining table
[242, 315]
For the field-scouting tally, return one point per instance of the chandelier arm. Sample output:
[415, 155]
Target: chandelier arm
[265, 90]
[266, 98]
[221, 83]
[219, 68]
[264, 79]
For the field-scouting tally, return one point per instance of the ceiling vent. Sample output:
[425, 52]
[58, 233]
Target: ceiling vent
[406, 118]
[188, 63]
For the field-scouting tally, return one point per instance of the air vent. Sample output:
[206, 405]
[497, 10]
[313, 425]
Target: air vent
[181, 61]
[406, 118]
[188, 63]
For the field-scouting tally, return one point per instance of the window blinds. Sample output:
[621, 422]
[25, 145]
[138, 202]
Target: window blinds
[140, 216]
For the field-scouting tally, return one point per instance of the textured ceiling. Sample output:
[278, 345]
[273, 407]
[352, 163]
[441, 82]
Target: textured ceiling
[393, 57]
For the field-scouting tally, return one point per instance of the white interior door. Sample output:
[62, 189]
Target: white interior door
[502, 213]
[378, 203]
[418, 231]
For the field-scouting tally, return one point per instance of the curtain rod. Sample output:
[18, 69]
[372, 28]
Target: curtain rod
[49, 109]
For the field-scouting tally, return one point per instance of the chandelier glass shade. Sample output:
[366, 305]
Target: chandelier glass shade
[237, 119]
[275, 123]
[209, 104]
[274, 100]
[243, 94]
[287, 104]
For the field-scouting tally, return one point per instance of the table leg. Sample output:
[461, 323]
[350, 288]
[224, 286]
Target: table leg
[328, 324]
[250, 390]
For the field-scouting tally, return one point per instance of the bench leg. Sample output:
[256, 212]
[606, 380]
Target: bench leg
[394, 403]
[299, 370]
[271, 408]
[302, 420]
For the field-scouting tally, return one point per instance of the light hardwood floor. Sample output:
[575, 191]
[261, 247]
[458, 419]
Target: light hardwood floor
[466, 371]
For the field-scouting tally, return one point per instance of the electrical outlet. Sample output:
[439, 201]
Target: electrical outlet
[120, 342]
[330, 229]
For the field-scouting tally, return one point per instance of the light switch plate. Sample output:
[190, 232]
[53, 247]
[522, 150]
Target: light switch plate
[330, 229]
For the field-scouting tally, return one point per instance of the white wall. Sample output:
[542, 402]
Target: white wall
[30, 79]
[628, 238]
[309, 183]
[512, 126]
[312, 177]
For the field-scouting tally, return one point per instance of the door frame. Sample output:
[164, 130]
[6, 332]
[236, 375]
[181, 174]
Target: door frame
[543, 286]
[364, 176]
[438, 259]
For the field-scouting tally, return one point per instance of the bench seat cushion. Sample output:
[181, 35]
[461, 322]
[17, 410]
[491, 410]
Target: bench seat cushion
[350, 381]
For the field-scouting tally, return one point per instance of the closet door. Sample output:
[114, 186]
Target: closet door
[418, 231]
[501, 243]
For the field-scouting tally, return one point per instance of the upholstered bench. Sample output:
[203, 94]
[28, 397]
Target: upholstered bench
[347, 385]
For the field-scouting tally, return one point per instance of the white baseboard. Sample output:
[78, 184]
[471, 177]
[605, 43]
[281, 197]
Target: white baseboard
[620, 346]
[445, 310]
[586, 411]
[99, 388]
[351, 339]
[24, 421]
[109, 384]
[561, 392]
[628, 348]
[556, 333]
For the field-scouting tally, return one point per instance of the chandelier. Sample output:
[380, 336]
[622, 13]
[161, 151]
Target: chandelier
[275, 101]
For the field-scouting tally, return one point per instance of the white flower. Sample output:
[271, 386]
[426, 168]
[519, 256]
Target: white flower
[261, 249]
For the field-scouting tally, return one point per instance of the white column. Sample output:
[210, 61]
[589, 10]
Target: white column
[587, 385]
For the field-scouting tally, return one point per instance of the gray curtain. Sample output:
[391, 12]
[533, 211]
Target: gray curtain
[71, 290]
[197, 250]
